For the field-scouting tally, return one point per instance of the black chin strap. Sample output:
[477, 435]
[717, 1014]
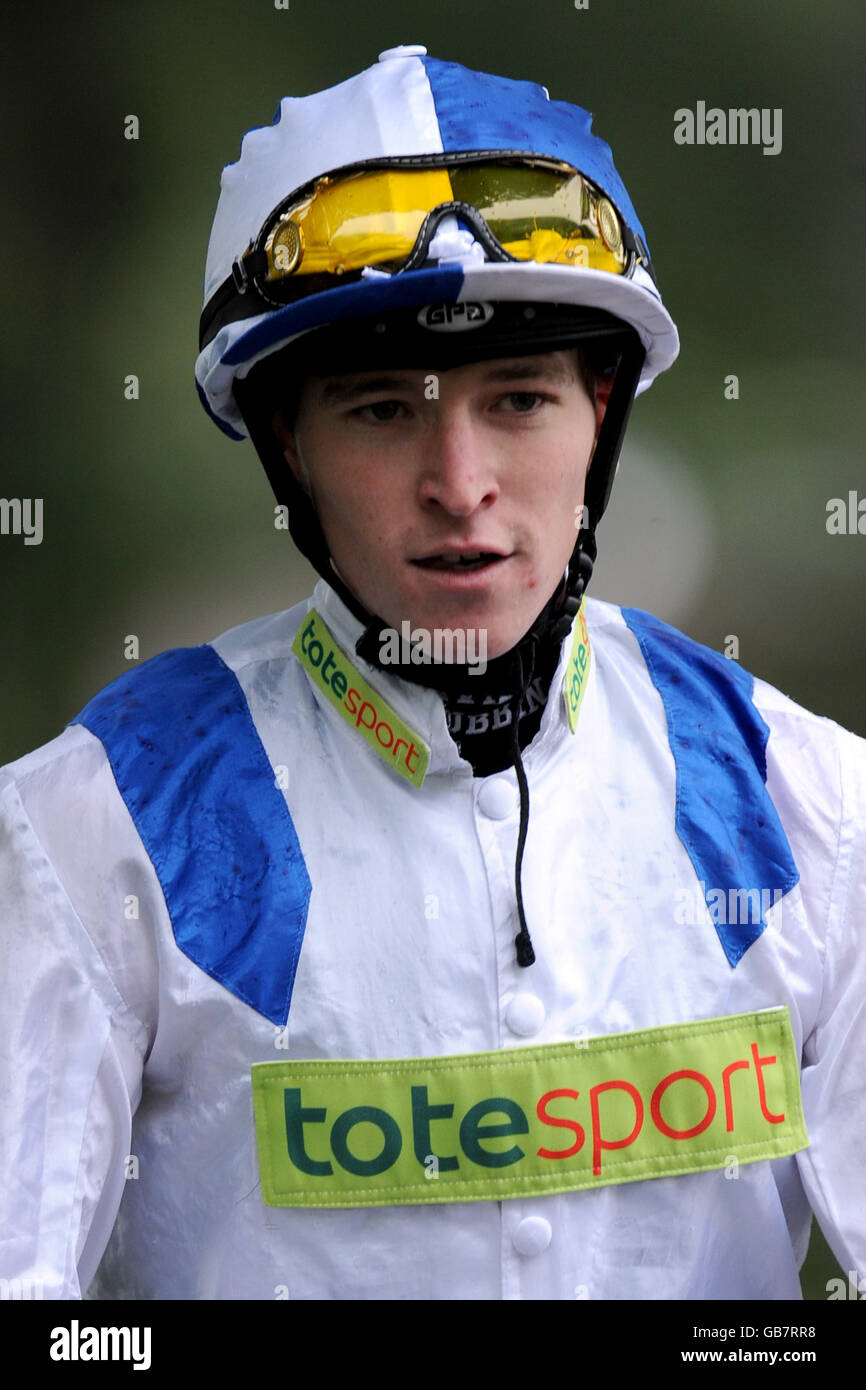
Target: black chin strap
[522, 941]
[557, 626]
[524, 671]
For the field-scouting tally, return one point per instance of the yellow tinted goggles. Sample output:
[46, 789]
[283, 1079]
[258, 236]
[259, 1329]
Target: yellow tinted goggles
[534, 211]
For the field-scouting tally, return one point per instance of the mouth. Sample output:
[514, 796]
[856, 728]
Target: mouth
[457, 561]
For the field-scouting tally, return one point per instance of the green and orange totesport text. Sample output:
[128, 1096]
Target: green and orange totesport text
[358, 703]
[577, 670]
[530, 1120]
[370, 714]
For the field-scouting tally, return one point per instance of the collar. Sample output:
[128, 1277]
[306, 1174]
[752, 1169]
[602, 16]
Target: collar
[422, 708]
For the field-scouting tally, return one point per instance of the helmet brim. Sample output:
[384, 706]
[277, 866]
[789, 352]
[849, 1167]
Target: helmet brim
[239, 346]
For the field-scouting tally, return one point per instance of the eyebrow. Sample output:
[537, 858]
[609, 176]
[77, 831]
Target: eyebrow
[338, 390]
[526, 370]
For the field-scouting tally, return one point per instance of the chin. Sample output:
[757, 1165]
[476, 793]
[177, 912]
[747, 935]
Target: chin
[498, 646]
[504, 620]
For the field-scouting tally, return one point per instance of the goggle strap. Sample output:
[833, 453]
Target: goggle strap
[636, 246]
[241, 291]
[228, 304]
[247, 267]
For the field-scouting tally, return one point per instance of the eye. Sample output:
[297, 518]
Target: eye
[382, 410]
[523, 402]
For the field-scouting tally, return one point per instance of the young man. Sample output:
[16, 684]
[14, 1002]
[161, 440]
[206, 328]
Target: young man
[450, 935]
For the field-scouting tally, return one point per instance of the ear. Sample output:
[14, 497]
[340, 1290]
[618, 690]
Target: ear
[603, 388]
[288, 444]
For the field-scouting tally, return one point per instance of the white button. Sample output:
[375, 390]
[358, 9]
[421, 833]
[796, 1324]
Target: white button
[406, 50]
[532, 1235]
[497, 799]
[525, 1014]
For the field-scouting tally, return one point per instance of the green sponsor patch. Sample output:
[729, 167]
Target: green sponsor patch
[529, 1120]
[357, 702]
[577, 670]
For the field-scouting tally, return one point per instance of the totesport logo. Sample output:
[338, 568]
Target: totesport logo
[527, 1121]
[577, 670]
[369, 713]
[359, 704]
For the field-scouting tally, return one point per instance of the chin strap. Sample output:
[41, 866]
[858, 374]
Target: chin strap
[557, 626]
[522, 941]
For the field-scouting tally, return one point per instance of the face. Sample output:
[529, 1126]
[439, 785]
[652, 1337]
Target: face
[455, 510]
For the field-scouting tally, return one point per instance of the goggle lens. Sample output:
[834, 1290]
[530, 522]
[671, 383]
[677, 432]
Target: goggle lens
[374, 217]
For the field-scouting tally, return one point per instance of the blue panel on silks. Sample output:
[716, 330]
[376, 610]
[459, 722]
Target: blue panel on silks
[191, 768]
[725, 817]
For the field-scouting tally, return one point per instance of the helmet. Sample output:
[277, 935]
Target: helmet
[433, 215]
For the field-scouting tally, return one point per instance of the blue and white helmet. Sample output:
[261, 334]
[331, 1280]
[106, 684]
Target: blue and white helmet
[409, 105]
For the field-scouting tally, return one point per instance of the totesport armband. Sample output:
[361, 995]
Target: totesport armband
[527, 1121]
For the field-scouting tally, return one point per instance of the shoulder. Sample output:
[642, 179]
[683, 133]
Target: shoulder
[693, 681]
[814, 769]
[74, 757]
[818, 766]
[673, 658]
[620, 626]
[190, 686]
[660, 642]
[262, 640]
[181, 694]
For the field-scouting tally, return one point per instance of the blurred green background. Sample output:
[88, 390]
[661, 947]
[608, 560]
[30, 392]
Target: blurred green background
[157, 525]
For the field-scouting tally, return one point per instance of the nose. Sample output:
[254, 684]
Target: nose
[458, 470]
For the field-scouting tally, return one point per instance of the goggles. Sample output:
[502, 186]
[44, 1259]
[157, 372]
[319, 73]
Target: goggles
[384, 214]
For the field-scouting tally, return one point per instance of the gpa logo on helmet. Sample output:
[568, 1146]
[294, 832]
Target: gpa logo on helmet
[455, 318]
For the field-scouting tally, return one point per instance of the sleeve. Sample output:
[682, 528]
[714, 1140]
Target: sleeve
[71, 1058]
[834, 1073]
